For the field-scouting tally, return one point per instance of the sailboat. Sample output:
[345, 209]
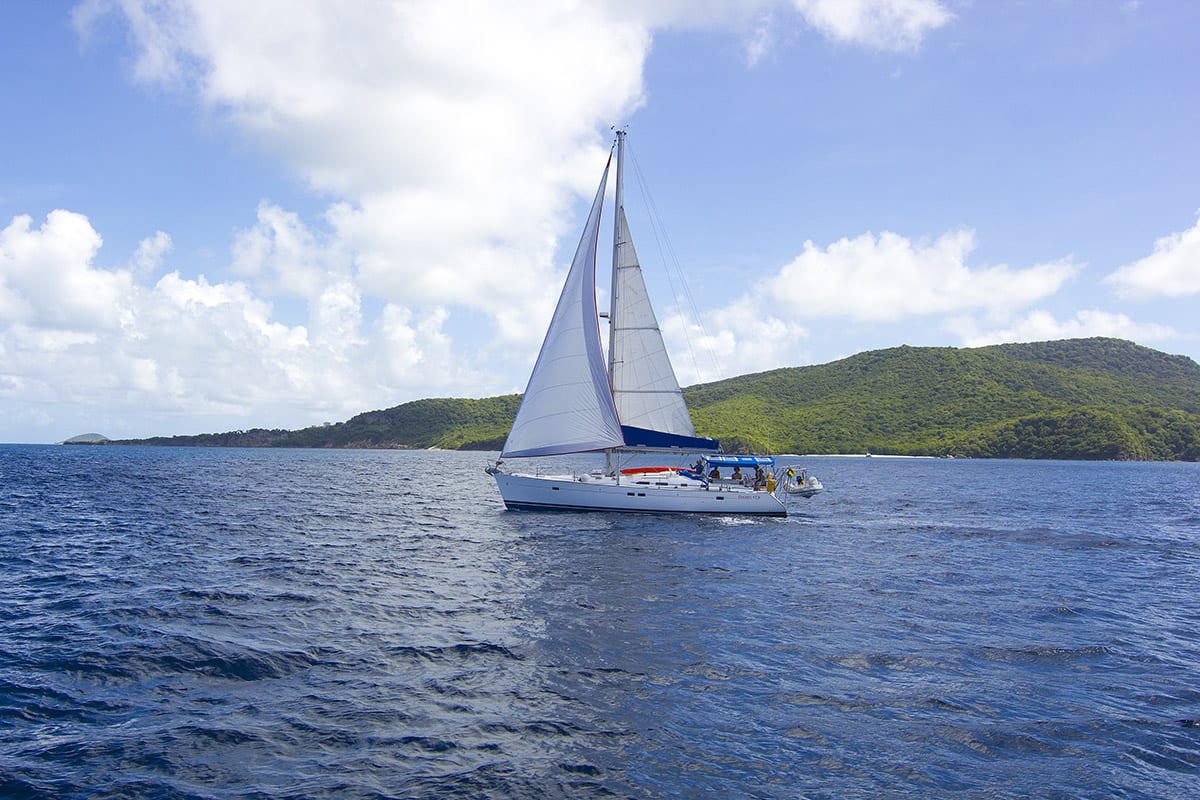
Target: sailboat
[577, 401]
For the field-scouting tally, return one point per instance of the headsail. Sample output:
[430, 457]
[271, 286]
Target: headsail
[649, 401]
[644, 385]
[568, 405]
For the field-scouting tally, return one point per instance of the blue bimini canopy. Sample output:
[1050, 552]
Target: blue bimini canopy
[740, 461]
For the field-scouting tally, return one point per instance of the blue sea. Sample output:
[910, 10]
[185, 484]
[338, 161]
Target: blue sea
[206, 623]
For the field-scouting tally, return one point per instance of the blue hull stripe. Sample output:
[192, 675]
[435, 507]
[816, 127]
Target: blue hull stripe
[722, 513]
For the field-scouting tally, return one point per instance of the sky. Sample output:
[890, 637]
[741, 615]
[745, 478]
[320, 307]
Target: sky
[218, 215]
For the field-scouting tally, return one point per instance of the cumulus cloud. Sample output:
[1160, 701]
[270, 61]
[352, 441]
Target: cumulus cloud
[890, 25]
[79, 329]
[890, 277]
[739, 336]
[450, 138]
[281, 255]
[453, 149]
[150, 253]
[45, 277]
[873, 280]
[759, 39]
[1040, 325]
[883, 24]
[1172, 270]
[72, 332]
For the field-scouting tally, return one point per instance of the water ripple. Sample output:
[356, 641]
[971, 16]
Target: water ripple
[295, 624]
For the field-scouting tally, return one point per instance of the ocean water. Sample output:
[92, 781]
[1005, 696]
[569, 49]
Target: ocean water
[201, 623]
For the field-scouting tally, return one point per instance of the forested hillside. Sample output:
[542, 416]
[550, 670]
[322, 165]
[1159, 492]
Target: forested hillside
[1078, 398]
[446, 423]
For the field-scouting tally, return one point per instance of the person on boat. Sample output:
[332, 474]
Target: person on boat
[737, 474]
[714, 474]
[760, 478]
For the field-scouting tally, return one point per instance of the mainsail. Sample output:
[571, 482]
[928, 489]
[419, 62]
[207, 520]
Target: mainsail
[568, 405]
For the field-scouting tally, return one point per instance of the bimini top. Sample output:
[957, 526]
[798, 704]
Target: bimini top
[740, 461]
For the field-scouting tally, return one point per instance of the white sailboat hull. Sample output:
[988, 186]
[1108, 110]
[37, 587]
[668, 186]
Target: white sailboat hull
[599, 493]
[576, 403]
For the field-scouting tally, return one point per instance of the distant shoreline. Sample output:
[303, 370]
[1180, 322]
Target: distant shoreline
[1096, 399]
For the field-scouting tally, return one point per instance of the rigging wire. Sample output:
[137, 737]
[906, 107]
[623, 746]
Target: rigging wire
[671, 261]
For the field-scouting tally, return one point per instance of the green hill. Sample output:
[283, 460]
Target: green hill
[1078, 399]
[445, 423]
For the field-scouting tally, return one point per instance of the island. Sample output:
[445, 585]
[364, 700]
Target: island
[1092, 399]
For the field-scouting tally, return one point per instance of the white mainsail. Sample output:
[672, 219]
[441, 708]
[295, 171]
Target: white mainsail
[568, 405]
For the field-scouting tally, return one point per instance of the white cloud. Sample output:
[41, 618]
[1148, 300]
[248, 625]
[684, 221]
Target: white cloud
[1172, 270]
[45, 275]
[889, 277]
[155, 27]
[450, 138]
[882, 24]
[759, 39]
[75, 334]
[895, 25]
[739, 338]
[877, 280]
[413, 349]
[1040, 325]
[282, 255]
[150, 253]
[452, 145]
[454, 148]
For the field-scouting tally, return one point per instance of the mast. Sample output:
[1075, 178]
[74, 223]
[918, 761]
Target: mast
[620, 204]
[619, 197]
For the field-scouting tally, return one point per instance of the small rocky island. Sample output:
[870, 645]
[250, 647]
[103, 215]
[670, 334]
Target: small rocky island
[87, 438]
